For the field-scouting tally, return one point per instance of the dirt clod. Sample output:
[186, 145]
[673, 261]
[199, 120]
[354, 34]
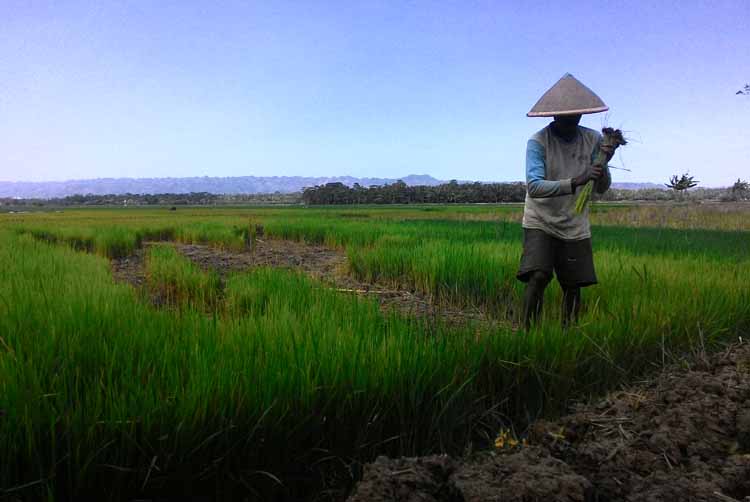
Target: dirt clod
[682, 436]
[409, 479]
[743, 427]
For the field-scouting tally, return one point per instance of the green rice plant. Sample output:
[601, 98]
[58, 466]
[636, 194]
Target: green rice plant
[216, 234]
[117, 384]
[159, 233]
[109, 242]
[461, 274]
[116, 242]
[104, 396]
[249, 233]
[610, 141]
[78, 238]
[42, 235]
[178, 281]
[254, 293]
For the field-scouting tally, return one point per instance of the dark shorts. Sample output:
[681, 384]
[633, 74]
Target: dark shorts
[572, 261]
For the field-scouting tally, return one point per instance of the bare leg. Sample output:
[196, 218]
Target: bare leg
[533, 298]
[571, 305]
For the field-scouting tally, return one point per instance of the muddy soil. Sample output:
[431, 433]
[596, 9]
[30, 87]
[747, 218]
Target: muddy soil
[327, 265]
[683, 436]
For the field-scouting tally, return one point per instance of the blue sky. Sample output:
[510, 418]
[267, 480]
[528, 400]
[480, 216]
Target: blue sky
[178, 88]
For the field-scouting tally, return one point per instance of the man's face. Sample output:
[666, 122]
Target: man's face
[567, 125]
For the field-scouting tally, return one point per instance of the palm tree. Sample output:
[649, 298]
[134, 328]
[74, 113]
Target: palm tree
[740, 189]
[680, 184]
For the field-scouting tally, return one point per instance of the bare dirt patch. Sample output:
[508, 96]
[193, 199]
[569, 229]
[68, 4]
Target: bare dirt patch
[131, 269]
[682, 436]
[322, 263]
[317, 261]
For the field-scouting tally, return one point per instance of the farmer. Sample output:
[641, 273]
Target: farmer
[559, 160]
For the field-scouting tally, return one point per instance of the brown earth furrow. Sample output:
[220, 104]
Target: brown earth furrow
[684, 436]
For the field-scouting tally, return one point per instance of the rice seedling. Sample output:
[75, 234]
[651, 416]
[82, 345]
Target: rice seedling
[210, 233]
[610, 141]
[116, 242]
[105, 396]
[177, 281]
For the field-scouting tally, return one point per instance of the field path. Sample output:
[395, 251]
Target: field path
[684, 435]
[327, 265]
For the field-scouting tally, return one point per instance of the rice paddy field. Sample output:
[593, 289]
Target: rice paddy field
[268, 382]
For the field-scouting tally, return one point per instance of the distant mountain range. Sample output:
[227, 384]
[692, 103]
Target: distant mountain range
[638, 186]
[214, 185]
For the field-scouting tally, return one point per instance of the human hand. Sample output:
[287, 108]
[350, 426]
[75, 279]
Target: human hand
[596, 172]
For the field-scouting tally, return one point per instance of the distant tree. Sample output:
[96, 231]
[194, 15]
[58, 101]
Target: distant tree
[681, 184]
[359, 193]
[745, 90]
[684, 182]
[740, 190]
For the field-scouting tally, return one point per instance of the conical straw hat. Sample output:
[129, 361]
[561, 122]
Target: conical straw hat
[567, 97]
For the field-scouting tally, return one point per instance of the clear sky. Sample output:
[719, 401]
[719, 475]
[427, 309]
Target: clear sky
[178, 88]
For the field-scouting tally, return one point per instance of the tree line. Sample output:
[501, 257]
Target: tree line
[396, 193]
[454, 192]
[401, 193]
[160, 199]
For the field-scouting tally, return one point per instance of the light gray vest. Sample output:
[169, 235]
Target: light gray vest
[557, 215]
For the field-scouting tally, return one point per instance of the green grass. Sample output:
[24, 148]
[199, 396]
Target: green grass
[109, 242]
[177, 281]
[272, 373]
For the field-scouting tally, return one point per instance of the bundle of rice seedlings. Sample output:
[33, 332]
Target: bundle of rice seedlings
[611, 140]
